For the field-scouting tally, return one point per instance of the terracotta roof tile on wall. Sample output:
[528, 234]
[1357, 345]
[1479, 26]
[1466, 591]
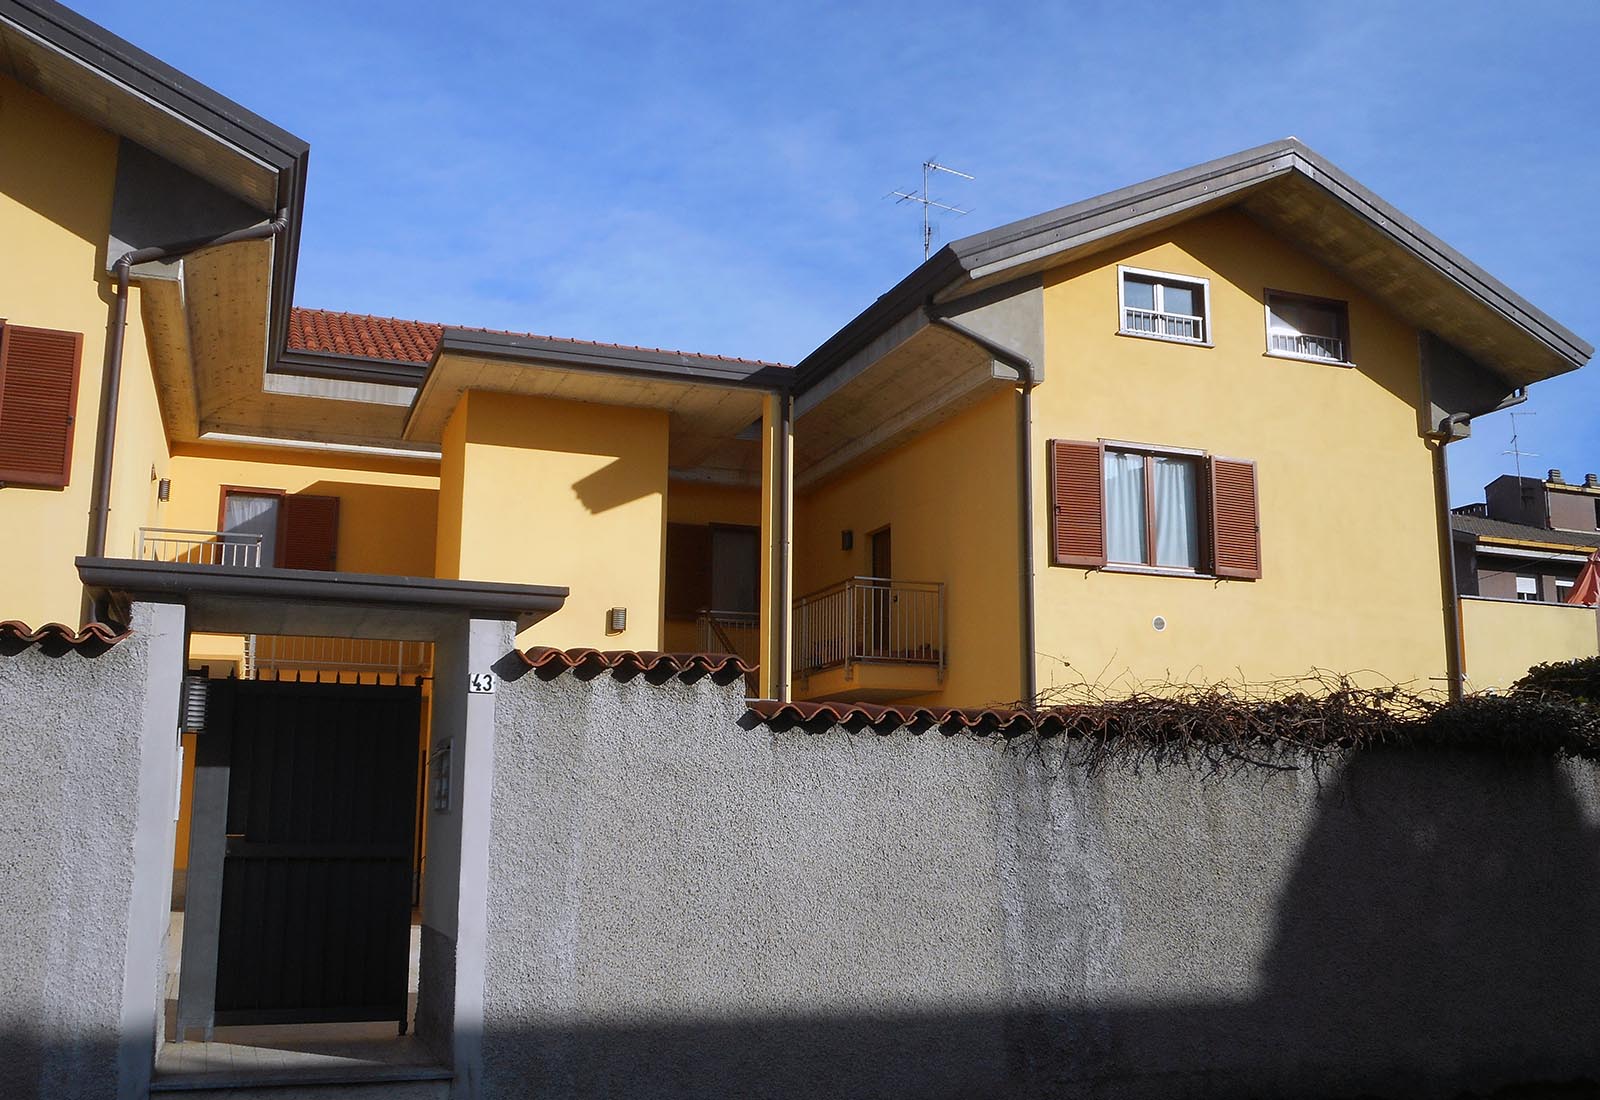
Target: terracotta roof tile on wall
[401, 341]
[357, 334]
[549, 662]
[91, 641]
[885, 719]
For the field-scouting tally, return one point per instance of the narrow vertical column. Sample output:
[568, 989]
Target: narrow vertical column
[160, 630]
[777, 523]
[456, 875]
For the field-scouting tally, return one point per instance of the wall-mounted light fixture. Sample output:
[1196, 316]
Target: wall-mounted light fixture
[164, 490]
[847, 540]
[616, 620]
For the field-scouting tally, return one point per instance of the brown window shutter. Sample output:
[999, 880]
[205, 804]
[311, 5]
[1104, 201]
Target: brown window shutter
[1077, 503]
[688, 565]
[38, 402]
[1235, 519]
[308, 532]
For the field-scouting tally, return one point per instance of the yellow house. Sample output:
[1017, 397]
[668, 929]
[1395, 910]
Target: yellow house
[1123, 443]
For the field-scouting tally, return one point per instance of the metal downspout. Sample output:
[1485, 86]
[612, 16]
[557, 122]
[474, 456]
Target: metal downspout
[1030, 644]
[111, 387]
[1024, 368]
[1455, 662]
[785, 553]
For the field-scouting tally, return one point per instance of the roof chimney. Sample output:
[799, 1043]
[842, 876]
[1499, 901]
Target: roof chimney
[1591, 481]
[1555, 478]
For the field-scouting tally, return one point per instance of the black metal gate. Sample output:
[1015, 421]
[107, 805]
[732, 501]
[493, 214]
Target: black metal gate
[302, 833]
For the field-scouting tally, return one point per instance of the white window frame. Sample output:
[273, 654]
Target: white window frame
[1531, 594]
[1266, 319]
[1564, 589]
[1198, 282]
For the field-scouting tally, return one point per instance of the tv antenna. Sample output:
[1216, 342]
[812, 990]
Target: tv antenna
[1516, 452]
[929, 167]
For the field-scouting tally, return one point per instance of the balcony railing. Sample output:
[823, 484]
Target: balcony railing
[1168, 326]
[179, 544]
[1311, 347]
[736, 632]
[870, 619]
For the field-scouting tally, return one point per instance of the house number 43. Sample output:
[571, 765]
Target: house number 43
[481, 683]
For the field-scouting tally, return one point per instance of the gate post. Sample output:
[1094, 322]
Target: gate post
[455, 885]
[162, 629]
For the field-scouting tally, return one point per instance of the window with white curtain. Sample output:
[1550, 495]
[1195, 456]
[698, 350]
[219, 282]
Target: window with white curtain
[245, 515]
[1152, 509]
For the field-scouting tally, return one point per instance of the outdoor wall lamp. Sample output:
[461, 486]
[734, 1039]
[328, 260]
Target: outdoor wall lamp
[616, 620]
[847, 540]
[164, 490]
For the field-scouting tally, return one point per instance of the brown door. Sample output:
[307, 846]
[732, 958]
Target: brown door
[881, 567]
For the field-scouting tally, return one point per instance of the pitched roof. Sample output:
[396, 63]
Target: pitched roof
[1484, 527]
[401, 341]
[362, 335]
[1292, 190]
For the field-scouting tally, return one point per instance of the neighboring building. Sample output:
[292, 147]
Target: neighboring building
[1528, 540]
[1126, 441]
[1525, 545]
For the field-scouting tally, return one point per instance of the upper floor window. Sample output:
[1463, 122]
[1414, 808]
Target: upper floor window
[1163, 306]
[1308, 328]
[1528, 588]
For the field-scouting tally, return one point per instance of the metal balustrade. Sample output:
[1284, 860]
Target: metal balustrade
[870, 619]
[1168, 326]
[736, 632]
[1311, 347]
[178, 544]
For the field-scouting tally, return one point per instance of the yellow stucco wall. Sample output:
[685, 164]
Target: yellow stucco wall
[57, 175]
[1349, 540]
[950, 500]
[1505, 638]
[563, 493]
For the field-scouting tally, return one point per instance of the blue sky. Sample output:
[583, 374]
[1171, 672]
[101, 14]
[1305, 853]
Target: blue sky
[710, 176]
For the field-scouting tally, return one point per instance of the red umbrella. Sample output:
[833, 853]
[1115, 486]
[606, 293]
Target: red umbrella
[1586, 590]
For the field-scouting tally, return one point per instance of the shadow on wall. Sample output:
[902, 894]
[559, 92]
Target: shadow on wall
[1439, 934]
[616, 483]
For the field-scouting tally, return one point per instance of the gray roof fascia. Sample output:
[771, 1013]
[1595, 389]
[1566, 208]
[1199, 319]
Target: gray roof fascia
[207, 110]
[633, 362]
[422, 594]
[906, 297]
[350, 368]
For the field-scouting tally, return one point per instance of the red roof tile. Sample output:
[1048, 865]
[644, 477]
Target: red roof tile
[402, 341]
[886, 719]
[549, 662]
[92, 640]
[358, 334]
